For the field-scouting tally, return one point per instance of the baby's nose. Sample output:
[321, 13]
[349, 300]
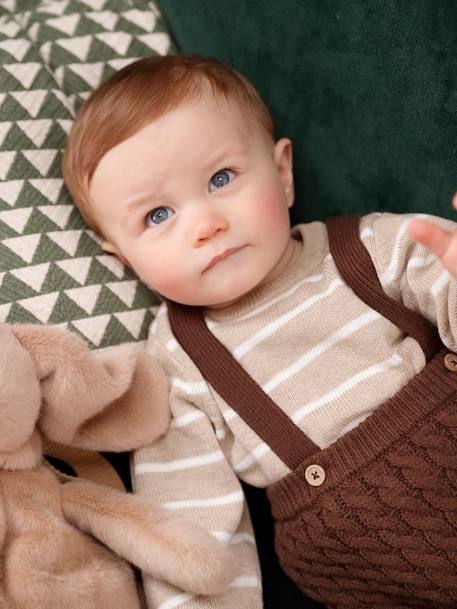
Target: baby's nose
[207, 227]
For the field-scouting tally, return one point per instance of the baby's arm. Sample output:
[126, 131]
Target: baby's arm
[409, 272]
[187, 471]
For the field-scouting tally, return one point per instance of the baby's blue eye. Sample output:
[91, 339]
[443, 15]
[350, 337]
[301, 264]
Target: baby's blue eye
[220, 179]
[159, 215]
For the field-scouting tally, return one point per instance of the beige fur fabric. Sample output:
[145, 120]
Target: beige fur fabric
[52, 386]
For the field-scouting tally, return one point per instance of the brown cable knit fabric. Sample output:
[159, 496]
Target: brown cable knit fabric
[381, 530]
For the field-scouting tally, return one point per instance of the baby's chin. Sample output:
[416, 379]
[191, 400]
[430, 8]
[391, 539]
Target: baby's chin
[226, 298]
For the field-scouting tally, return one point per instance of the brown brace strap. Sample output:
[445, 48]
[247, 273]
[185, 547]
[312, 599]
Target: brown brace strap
[237, 387]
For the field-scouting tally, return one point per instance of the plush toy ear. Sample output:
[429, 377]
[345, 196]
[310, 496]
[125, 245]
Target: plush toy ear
[20, 395]
[113, 399]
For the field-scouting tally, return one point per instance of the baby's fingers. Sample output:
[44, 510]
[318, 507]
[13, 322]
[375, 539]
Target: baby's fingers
[433, 237]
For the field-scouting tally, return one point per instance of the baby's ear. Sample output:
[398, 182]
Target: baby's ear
[283, 160]
[109, 247]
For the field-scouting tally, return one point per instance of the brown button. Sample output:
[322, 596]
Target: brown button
[450, 361]
[315, 475]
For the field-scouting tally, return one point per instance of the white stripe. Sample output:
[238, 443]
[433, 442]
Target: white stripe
[255, 455]
[389, 274]
[229, 414]
[220, 500]
[245, 581]
[172, 344]
[328, 343]
[419, 261]
[233, 539]
[175, 601]
[220, 433]
[189, 388]
[270, 303]
[344, 387]
[153, 328]
[275, 325]
[366, 232]
[439, 284]
[242, 537]
[179, 464]
[187, 419]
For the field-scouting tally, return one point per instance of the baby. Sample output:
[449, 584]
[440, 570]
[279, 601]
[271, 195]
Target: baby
[173, 163]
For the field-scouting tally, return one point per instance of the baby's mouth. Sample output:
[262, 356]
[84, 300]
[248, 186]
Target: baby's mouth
[220, 257]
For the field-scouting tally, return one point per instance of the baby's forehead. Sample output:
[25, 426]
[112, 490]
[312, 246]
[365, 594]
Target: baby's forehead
[193, 124]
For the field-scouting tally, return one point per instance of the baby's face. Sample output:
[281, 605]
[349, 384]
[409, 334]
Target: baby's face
[197, 203]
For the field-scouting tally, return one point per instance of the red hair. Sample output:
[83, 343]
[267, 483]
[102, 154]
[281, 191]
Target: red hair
[136, 95]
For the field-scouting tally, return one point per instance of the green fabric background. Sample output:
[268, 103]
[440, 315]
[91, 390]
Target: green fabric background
[365, 88]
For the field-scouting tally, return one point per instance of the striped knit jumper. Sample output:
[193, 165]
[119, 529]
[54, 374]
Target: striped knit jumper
[328, 361]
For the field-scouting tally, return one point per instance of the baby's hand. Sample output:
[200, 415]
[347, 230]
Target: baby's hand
[440, 242]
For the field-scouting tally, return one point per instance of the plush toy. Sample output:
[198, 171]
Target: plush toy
[53, 387]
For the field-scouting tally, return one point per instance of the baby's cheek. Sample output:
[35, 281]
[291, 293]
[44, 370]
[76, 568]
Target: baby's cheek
[166, 280]
[271, 213]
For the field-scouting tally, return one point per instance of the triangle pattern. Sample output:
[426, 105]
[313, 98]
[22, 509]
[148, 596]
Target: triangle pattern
[40, 159]
[31, 101]
[6, 162]
[33, 276]
[125, 290]
[54, 8]
[65, 124]
[107, 19]
[143, 19]
[132, 321]
[118, 41]
[91, 73]
[112, 264]
[58, 214]
[24, 73]
[9, 191]
[10, 5]
[5, 127]
[10, 28]
[4, 312]
[17, 48]
[16, 218]
[79, 47]
[66, 24]
[158, 42]
[67, 240]
[94, 4]
[33, 31]
[77, 268]
[86, 297]
[49, 188]
[24, 247]
[93, 329]
[40, 306]
[37, 130]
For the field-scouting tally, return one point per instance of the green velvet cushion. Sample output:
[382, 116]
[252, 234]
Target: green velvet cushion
[52, 269]
[365, 88]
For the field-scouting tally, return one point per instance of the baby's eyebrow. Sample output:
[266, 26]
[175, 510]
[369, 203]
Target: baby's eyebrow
[223, 155]
[141, 198]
